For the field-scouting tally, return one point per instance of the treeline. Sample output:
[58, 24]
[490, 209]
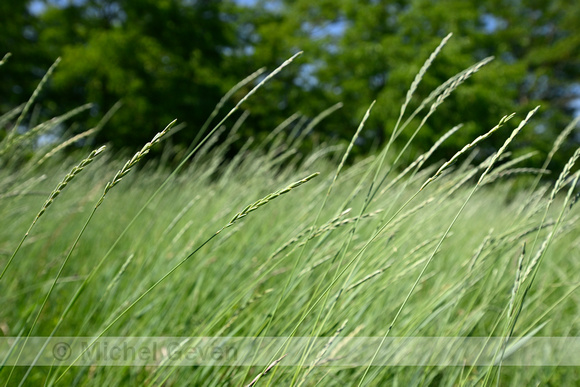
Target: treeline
[166, 59]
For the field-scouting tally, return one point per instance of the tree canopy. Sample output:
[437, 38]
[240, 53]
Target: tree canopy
[168, 59]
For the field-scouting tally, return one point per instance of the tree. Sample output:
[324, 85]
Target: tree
[163, 59]
[357, 52]
[22, 72]
[170, 59]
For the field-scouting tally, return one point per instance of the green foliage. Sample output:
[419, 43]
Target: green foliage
[167, 59]
[357, 52]
[18, 78]
[163, 59]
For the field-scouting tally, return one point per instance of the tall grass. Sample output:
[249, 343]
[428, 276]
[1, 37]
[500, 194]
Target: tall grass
[374, 248]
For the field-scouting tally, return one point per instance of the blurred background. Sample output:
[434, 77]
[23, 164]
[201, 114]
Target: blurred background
[166, 59]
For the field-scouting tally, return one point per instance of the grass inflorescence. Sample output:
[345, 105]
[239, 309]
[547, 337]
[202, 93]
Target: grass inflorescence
[384, 246]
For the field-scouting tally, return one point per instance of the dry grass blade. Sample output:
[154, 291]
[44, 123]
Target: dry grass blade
[5, 58]
[272, 365]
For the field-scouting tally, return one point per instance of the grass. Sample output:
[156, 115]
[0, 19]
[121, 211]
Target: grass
[271, 244]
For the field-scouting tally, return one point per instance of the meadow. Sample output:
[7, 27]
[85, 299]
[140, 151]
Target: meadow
[274, 243]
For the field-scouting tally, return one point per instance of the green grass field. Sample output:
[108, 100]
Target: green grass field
[380, 247]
